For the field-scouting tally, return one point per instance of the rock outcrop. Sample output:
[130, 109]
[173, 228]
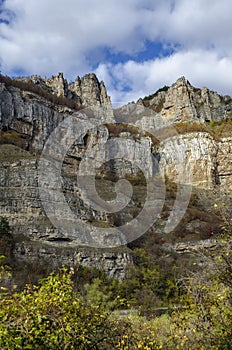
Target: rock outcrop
[86, 91]
[224, 158]
[183, 102]
[191, 159]
[113, 263]
[198, 157]
[34, 117]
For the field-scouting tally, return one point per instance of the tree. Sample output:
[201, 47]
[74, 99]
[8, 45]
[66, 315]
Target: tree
[51, 316]
[205, 320]
[6, 241]
[4, 227]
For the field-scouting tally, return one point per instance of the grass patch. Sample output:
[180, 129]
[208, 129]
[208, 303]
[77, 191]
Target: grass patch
[221, 129]
[11, 153]
[116, 129]
[216, 129]
[14, 138]
[184, 128]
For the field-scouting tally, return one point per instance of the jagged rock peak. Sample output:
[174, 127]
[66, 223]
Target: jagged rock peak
[86, 90]
[58, 84]
[184, 102]
[90, 90]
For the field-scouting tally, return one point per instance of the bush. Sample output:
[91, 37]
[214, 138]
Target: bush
[205, 320]
[150, 97]
[221, 128]
[183, 128]
[54, 315]
[14, 138]
[4, 227]
[51, 316]
[135, 132]
[116, 129]
[215, 129]
[6, 241]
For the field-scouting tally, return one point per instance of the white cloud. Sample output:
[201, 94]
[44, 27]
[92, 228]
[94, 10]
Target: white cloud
[45, 37]
[61, 33]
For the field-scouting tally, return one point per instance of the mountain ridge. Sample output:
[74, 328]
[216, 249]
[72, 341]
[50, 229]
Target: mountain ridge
[199, 143]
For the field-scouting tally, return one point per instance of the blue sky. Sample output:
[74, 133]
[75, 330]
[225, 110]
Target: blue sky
[134, 46]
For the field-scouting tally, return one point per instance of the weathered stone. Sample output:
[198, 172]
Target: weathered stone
[224, 169]
[180, 103]
[58, 84]
[190, 159]
[30, 119]
[57, 254]
[183, 102]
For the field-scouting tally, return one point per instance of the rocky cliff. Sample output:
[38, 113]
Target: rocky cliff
[193, 131]
[182, 101]
[182, 132]
[86, 92]
[178, 103]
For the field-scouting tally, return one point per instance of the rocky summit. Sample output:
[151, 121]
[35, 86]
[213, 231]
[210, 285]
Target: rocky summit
[180, 134]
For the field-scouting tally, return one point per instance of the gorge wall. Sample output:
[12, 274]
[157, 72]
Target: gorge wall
[183, 131]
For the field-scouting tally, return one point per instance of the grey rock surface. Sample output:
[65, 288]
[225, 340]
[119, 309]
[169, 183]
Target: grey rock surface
[26, 122]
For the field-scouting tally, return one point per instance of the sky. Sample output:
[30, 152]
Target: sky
[134, 46]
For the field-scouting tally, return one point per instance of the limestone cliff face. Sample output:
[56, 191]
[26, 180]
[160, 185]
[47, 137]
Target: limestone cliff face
[183, 102]
[35, 117]
[224, 158]
[29, 115]
[197, 159]
[197, 156]
[114, 263]
[86, 91]
[57, 83]
[28, 119]
[190, 159]
[36, 239]
[90, 90]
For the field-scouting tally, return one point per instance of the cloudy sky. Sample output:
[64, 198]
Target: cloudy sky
[135, 46]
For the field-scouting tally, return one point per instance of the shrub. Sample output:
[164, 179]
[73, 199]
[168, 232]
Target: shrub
[116, 129]
[183, 128]
[150, 97]
[205, 320]
[54, 315]
[135, 132]
[6, 241]
[216, 129]
[221, 128]
[51, 316]
[14, 138]
[4, 227]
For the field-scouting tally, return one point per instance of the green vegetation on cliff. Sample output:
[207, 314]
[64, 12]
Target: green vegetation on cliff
[55, 315]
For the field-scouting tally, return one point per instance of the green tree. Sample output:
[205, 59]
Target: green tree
[146, 286]
[51, 316]
[4, 227]
[6, 241]
[205, 320]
